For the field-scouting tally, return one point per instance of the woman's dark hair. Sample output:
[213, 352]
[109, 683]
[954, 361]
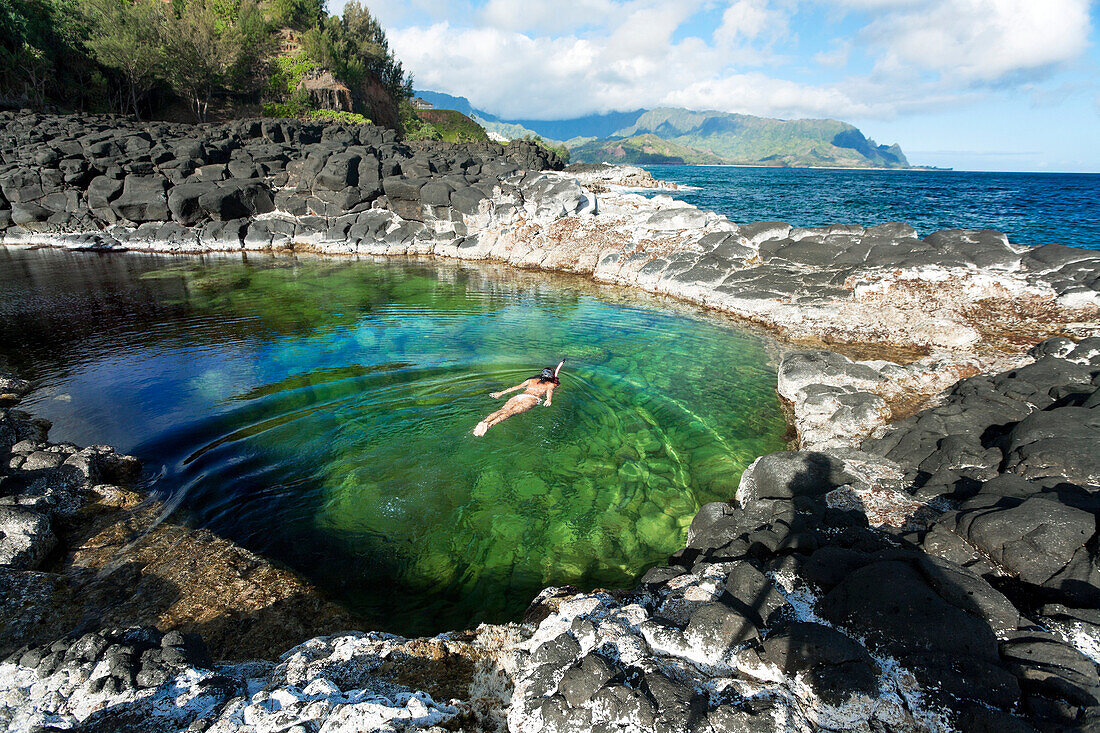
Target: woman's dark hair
[547, 376]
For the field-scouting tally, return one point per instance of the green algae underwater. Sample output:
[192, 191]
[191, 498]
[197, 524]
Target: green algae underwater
[320, 412]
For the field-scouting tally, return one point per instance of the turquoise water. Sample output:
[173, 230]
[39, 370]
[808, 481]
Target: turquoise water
[319, 412]
[1032, 208]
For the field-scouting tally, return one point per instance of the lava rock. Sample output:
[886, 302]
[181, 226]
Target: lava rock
[143, 199]
[786, 475]
[1033, 539]
[26, 538]
[1047, 665]
[715, 628]
[749, 591]
[836, 665]
[582, 681]
[895, 610]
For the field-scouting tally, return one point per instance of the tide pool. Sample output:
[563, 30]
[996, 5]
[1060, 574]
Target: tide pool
[319, 412]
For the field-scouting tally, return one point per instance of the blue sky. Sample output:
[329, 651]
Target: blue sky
[970, 84]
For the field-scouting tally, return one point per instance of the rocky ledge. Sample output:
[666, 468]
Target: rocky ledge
[603, 177]
[927, 560]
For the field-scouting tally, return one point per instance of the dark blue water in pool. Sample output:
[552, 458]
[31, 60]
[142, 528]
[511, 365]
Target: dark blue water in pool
[1031, 208]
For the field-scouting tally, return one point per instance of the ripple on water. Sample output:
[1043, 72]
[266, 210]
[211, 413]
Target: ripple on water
[320, 413]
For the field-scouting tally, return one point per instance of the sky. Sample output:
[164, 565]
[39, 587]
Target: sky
[968, 84]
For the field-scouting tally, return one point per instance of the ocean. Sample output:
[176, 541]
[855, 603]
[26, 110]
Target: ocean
[1031, 208]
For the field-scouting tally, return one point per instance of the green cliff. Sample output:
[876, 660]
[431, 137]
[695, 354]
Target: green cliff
[673, 135]
[668, 135]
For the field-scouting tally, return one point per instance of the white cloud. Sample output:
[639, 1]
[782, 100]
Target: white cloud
[760, 94]
[547, 16]
[837, 58]
[749, 19]
[548, 59]
[981, 41]
[516, 76]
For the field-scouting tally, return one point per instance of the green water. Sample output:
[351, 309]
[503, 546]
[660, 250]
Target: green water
[320, 412]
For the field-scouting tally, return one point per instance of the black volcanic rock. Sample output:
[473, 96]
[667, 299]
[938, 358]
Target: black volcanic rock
[143, 199]
[84, 174]
[893, 607]
[836, 665]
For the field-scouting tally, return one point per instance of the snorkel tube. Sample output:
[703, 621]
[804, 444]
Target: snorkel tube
[558, 369]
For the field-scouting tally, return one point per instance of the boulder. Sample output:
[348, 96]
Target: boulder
[1045, 664]
[25, 538]
[370, 174]
[25, 213]
[836, 666]
[237, 200]
[750, 592]
[583, 680]
[1032, 539]
[676, 704]
[341, 171]
[183, 201]
[716, 628]
[143, 199]
[1061, 443]
[786, 475]
[436, 193]
[952, 651]
[403, 189]
[467, 200]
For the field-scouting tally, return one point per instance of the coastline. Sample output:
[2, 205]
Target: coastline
[926, 169]
[871, 506]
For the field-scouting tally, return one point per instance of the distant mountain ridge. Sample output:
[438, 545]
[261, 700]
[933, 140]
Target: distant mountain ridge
[675, 135]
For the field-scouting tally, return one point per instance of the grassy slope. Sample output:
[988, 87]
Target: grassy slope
[718, 137]
[453, 126]
[645, 148]
[507, 130]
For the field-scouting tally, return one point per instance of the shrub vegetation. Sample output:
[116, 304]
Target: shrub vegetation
[140, 56]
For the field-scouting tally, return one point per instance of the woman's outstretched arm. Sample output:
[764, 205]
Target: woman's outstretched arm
[503, 392]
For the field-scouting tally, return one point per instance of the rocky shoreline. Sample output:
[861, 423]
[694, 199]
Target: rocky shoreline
[927, 559]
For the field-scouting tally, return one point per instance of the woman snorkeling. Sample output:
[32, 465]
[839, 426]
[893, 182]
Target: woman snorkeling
[533, 389]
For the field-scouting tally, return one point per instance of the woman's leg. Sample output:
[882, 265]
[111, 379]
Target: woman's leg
[507, 412]
[514, 406]
[491, 419]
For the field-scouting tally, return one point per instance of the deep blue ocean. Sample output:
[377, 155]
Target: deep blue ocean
[1031, 208]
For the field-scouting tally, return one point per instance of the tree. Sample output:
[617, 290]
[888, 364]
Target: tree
[300, 15]
[200, 48]
[354, 45]
[127, 37]
[252, 67]
[41, 50]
